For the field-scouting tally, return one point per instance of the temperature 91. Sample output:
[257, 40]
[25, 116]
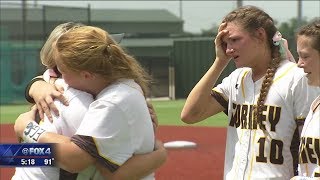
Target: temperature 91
[48, 162]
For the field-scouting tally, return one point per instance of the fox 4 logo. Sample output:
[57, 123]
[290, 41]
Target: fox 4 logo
[39, 151]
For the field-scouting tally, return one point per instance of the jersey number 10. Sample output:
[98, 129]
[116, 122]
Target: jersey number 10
[276, 147]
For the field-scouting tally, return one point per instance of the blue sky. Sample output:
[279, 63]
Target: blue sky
[199, 15]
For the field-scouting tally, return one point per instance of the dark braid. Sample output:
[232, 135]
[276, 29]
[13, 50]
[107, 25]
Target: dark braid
[266, 84]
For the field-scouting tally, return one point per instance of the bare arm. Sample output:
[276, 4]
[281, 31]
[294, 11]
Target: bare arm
[66, 152]
[199, 104]
[138, 166]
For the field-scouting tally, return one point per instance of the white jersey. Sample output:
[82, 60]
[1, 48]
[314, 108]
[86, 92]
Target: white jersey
[65, 124]
[250, 152]
[309, 152]
[117, 125]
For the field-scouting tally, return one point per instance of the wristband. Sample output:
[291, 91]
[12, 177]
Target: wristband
[26, 92]
[32, 132]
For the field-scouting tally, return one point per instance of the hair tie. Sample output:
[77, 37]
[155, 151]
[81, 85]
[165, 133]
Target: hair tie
[279, 41]
[277, 37]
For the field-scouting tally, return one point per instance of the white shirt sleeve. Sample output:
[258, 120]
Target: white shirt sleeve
[108, 126]
[303, 95]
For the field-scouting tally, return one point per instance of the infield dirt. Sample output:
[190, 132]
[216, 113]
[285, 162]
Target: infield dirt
[201, 163]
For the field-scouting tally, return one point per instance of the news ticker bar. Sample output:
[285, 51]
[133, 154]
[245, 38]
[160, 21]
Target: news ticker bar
[26, 155]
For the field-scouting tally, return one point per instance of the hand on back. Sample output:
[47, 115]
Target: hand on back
[44, 94]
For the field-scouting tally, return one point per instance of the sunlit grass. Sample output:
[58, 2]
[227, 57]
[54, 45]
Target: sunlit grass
[168, 113]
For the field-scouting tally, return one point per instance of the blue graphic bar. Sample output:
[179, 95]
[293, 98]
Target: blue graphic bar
[26, 155]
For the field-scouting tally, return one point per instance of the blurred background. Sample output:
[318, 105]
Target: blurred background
[173, 40]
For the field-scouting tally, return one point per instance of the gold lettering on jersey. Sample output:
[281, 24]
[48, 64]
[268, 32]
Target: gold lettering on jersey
[242, 115]
[310, 150]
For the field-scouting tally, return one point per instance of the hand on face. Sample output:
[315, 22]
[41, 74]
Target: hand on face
[289, 56]
[220, 46]
[23, 119]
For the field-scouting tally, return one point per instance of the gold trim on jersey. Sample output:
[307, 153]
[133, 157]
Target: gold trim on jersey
[242, 83]
[316, 104]
[300, 121]
[101, 155]
[89, 144]
[216, 90]
[284, 73]
[41, 122]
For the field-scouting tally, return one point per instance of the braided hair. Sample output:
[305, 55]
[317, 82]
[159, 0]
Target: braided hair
[252, 18]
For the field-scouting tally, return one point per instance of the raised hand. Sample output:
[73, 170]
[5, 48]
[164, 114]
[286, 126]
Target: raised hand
[221, 46]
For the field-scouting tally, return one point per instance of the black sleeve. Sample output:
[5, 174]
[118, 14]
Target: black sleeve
[224, 103]
[87, 144]
[26, 92]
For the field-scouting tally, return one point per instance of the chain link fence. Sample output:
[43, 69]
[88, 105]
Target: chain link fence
[23, 30]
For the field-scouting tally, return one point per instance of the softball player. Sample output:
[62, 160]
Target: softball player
[65, 124]
[308, 47]
[263, 150]
[264, 98]
[117, 124]
[70, 118]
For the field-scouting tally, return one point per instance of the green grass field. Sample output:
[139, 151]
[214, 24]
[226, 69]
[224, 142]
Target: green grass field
[168, 114]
